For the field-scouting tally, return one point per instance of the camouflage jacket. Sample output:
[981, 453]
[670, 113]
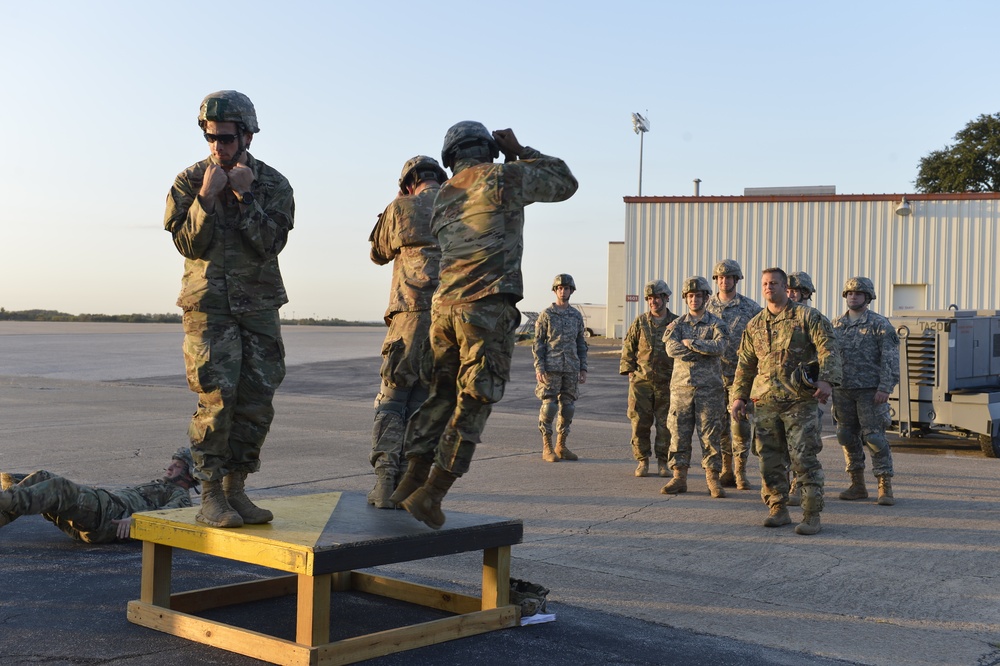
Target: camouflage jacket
[159, 494]
[403, 236]
[701, 365]
[870, 349]
[736, 313]
[479, 223]
[560, 345]
[643, 352]
[773, 346]
[231, 256]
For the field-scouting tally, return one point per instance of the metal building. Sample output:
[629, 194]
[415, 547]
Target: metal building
[923, 251]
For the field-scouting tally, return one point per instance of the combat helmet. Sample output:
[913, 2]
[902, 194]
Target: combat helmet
[805, 376]
[728, 267]
[656, 287]
[466, 139]
[862, 284]
[184, 455]
[228, 106]
[696, 283]
[563, 280]
[801, 281]
[420, 168]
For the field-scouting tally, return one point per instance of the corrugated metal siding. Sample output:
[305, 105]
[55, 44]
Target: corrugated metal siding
[950, 245]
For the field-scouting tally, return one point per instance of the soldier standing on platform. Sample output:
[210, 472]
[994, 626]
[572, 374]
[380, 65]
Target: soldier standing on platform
[696, 341]
[861, 403]
[773, 372]
[403, 236]
[736, 310]
[560, 353]
[94, 515]
[479, 223]
[645, 361]
[229, 216]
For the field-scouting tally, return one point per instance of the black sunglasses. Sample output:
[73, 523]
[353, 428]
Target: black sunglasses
[224, 139]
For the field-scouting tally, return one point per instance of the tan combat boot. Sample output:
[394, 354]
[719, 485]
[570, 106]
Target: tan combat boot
[857, 488]
[662, 468]
[562, 451]
[548, 455]
[726, 477]
[425, 502]
[233, 486]
[809, 524]
[678, 484]
[215, 509]
[642, 469]
[417, 470]
[714, 487]
[7, 480]
[778, 516]
[740, 472]
[385, 485]
[885, 497]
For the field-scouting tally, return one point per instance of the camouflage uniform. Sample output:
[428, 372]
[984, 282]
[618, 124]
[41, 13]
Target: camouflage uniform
[560, 352]
[230, 294]
[772, 348]
[870, 348]
[644, 355]
[83, 512]
[403, 236]
[697, 393]
[736, 313]
[479, 223]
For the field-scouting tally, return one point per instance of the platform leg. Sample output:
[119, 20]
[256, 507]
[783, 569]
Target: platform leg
[496, 577]
[312, 626]
[157, 561]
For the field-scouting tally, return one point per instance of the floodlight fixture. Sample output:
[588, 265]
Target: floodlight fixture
[903, 208]
[641, 125]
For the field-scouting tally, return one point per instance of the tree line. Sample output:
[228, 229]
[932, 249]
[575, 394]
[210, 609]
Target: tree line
[147, 318]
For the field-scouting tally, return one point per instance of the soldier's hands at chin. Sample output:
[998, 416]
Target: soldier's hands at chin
[508, 143]
[823, 391]
[240, 178]
[214, 182]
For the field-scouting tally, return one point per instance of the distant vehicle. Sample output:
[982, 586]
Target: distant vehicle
[595, 318]
[526, 331]
[949, 379]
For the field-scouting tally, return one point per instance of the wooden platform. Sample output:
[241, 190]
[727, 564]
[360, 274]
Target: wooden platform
[318, 540]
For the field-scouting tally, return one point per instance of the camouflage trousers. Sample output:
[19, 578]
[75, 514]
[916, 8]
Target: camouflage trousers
[648, 406]
[234, 363]
[82, 512]
[472, 345]
[861, 424]
[696, 408]
[735, 434]
[787, 434]
[558, 394]
[406, 363]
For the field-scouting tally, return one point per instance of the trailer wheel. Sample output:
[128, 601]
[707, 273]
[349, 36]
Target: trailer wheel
[990, 446]
[587, 333]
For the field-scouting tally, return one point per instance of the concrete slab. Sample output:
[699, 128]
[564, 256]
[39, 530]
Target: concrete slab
[636, 577]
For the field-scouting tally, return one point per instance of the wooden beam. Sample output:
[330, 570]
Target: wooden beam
[496, 577]
[154, 586]
[414, 593]
[312, 625]
[195, 601]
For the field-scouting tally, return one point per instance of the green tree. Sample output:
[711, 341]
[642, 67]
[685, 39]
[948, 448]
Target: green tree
[971, 164]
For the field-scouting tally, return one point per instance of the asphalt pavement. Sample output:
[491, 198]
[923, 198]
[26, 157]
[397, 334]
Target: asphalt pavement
[636, 577]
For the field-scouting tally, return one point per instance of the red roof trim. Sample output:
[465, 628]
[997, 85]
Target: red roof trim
[954, 196]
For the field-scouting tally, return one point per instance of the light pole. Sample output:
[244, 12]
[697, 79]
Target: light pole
[641, 126]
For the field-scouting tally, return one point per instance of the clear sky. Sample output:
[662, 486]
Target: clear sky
[99, 100]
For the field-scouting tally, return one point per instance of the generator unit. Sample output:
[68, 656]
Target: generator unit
[949, 375]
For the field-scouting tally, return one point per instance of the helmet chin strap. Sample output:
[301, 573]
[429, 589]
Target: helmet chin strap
[230, 163]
